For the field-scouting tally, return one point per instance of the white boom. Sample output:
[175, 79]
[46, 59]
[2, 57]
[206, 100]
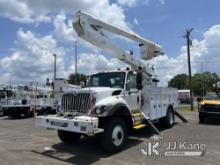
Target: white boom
[91, 29]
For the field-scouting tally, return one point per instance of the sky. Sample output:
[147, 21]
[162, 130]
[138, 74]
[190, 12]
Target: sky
[31, 31]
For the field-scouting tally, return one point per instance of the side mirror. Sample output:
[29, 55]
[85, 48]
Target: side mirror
[128, 85]
[139, 85]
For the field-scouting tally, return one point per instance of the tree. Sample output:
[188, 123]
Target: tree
[80, 78]
[201, 82]
[180, 81]
[198, 84]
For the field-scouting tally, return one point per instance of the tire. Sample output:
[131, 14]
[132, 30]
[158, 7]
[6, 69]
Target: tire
[201, 118]
[68, 137]
[114, 136]
[168, 121]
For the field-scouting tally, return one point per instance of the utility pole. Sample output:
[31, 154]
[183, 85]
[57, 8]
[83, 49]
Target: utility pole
[75, 62]
[189, 42]
[55, 66]
[203, 83]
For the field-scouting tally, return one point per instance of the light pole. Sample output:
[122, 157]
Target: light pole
[55, 66]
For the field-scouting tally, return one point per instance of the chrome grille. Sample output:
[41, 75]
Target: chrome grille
[76, 103]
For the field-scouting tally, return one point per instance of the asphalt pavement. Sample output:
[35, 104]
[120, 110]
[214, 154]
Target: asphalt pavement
[21, 143]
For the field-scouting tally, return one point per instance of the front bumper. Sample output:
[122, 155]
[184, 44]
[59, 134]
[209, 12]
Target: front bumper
[208, 114]
[45, 109]
[15, 109]
[79, 124]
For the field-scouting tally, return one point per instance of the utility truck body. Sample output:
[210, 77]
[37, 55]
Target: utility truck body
[113, 102]
[26, 99]
[5, 95]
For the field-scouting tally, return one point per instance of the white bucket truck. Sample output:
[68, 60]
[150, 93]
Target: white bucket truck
[113, 102]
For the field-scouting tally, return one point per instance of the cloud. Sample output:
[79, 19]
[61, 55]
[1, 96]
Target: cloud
[203, 52]
[128, 3]
[30, 11]
[136, 22]
[32, 60]
[63, 29]
[90, 63]
[134, 3]
[20, 11]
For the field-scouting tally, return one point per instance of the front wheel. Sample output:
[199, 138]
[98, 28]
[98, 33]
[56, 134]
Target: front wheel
[114, 136]
[68, 137]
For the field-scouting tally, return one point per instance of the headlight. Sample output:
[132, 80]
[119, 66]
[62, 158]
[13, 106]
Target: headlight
[107, 107]
[103, 108]
[98, 110]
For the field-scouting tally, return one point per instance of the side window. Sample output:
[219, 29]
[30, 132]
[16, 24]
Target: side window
[132, 78]
[95, 81]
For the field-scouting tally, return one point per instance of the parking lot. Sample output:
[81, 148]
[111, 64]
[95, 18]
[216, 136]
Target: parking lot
[23, 143]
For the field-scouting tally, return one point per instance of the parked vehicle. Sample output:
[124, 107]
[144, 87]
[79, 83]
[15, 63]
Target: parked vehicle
[26, 100]
[20, 104]
[5, 95]
[209, 107]
[184, 96]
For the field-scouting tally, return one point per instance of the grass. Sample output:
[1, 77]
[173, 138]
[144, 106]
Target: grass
[187, 108]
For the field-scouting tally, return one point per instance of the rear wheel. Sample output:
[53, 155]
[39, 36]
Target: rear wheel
[114, 136]
[168, 121]
[68, 137]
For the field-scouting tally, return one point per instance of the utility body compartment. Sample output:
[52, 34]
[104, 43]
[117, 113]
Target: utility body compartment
[157, 100]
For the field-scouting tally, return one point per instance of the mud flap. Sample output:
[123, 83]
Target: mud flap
[181, 117]
[151, 123]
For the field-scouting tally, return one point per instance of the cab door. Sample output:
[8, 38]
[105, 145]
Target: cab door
[131, 92]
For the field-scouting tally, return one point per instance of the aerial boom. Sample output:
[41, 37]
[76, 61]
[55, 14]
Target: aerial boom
[91, 29]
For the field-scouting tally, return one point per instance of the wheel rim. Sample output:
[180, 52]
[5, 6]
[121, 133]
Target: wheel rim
[117, 135]
[171, 118]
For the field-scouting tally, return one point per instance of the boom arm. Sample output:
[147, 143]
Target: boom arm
[90, 29]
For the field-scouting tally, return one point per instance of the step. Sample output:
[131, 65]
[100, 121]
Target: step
[139, 126]
[136, 114]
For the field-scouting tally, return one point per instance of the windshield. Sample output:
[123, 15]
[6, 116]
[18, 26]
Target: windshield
[112, 79]
[212, 96]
